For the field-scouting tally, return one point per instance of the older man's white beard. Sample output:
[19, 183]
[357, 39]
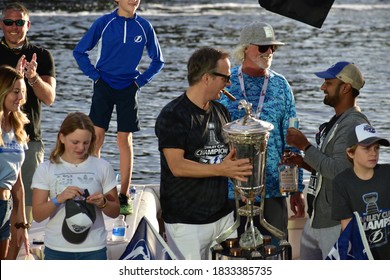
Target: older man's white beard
[265, 61]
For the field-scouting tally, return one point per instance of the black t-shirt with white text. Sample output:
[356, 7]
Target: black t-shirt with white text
[183, 125]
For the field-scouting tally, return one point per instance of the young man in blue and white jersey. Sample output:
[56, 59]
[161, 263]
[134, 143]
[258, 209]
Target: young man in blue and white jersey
[121, 37]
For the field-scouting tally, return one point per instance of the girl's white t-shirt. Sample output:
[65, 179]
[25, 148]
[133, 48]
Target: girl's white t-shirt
[94, 174]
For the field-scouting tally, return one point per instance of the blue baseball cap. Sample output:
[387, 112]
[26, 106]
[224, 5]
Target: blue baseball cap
[344, 71]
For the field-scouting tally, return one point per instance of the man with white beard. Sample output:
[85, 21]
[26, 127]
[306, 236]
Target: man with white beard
[272, 101]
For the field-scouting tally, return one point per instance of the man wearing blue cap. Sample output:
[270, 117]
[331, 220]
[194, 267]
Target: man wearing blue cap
[327, 158]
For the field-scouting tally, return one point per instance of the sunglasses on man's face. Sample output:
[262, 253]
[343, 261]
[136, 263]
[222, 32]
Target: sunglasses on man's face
[263, 49]
[10, 22]
[225, 77]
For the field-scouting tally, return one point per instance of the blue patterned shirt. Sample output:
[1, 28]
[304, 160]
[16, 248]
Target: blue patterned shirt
[278, 107]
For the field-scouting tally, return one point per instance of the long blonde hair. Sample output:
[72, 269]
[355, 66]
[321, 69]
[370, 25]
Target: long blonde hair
[73, 121]
[8, 78]
[239, 52]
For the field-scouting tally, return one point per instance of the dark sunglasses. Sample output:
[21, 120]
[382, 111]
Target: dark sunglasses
[226, 77]
[263, 49]
[10, 22]
[321, 132]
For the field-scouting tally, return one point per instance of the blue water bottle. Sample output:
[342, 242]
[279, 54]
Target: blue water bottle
[133, 192]
[119, 229]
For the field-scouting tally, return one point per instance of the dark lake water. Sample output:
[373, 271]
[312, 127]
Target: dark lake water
[353, 31]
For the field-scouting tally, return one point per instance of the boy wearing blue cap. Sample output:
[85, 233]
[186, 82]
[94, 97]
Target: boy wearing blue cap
[342, 85]
[365, 188]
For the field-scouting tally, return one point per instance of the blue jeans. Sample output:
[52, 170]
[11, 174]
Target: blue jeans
[5, 216]
[91, 255]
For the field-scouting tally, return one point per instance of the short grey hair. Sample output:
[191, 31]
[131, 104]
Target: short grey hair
[16, 7]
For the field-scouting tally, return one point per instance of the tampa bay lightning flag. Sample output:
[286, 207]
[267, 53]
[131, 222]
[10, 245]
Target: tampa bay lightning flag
[147, 244]
[352, 243]
[312, 12]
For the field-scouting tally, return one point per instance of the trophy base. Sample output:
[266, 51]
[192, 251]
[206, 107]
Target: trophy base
[229, 250]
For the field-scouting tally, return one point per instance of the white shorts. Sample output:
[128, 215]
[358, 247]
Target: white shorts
[193, 241]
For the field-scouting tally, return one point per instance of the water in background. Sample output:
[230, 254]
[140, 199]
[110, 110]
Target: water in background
[357, 32]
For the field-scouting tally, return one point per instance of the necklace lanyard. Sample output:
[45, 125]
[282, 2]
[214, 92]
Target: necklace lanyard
[262, 93]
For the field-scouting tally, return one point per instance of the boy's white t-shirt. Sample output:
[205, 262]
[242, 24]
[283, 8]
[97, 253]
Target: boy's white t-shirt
[94, 174]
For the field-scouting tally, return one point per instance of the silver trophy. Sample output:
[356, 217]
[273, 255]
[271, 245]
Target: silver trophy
[249, 137]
